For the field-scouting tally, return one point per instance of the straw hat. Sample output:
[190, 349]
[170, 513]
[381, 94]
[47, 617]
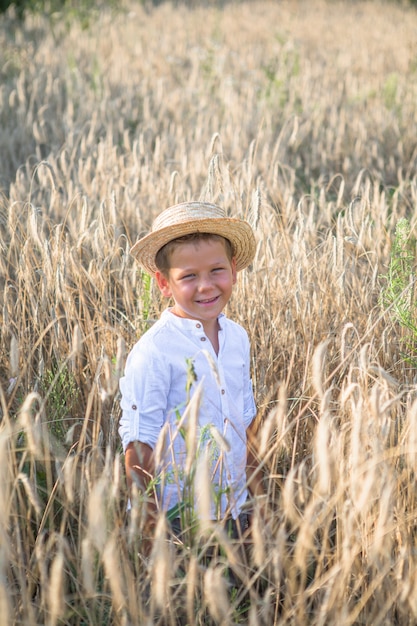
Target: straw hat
[195, 217]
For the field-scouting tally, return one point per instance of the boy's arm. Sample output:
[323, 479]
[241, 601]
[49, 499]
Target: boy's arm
[140, 469]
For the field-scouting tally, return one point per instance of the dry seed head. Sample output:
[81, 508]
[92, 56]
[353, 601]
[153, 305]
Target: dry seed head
[303, 491]
[30, 492]
[160, 565]
[267, 432]
[175, 176]
[222, 443]
[102, 231]
[120, 356]
[255, 208]
[113, 207]
[326, 400]
[42, 560]
[189, 420]
[203, 487]
[161, 443]
[31, 425]
[6, 481]
[33, 226]
[411, 442]
[213, 366]
[59, 281]
[14, 356]
[51, 172]
[77, 341]
[84, 215]
[87, 567]
[281, 414]
[388, 381]
[375, 402]
[215, 172]
[322, 453]
[382, 539]
[113, 574]
[338, 254]
[347, 391]
[56, 594]
[69, 474]
[288, 497]
[47, 262]
[344, 349]
[254, 617]
[109, 378]
[192, 573]
[364, 359]
[362, 488]
[215, 594]
[305, 538]
[318, 367]
[259, 556]
[356, 444]
[116, 478]
[97, 515]
[215, 144]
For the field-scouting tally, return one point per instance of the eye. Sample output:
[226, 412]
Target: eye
[187, 277]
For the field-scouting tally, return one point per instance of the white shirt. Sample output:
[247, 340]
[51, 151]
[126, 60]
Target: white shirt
[154, 398]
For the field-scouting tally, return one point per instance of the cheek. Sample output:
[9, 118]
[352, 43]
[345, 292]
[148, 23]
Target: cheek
[185, 291]
[227, 285]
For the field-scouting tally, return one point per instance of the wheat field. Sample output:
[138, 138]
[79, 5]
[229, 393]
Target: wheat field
[300, 117]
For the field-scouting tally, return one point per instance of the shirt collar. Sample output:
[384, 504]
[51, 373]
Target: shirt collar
[186, 323]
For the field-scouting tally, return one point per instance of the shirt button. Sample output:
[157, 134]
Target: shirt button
[198, 325]
[223, 392]
[134, 407]
[202, 338]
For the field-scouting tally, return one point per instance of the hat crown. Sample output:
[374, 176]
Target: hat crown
[186, 212]
[195, 217]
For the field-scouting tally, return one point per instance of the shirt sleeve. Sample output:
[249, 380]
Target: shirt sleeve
[249, 404]
[144, 391]
[249, 410]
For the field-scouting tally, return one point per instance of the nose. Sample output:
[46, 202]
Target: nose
[204, 283]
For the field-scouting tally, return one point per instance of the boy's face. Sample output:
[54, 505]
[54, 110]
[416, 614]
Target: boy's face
[200, 280]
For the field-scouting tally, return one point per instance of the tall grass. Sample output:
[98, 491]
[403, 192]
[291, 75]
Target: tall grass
[301, 118]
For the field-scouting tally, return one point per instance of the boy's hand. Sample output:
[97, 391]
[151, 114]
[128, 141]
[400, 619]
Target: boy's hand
[140, 470]
[140, 465]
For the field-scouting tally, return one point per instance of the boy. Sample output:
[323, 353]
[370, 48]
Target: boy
[194, 252]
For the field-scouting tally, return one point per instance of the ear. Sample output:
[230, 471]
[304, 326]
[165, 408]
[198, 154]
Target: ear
[163, 284]
[234, 272]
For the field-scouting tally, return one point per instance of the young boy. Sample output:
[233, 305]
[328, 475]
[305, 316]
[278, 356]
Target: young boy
[194, 252]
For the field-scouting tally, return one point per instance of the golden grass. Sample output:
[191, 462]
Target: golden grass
[301, 117]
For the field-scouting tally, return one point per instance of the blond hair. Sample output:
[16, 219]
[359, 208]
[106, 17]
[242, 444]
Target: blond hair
[163, 256]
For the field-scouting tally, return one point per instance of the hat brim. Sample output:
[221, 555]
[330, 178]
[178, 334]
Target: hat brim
[237, 231]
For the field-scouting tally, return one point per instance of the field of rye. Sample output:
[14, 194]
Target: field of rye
[302, 118]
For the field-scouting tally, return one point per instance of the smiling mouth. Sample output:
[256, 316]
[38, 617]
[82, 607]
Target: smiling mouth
[208, 301]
